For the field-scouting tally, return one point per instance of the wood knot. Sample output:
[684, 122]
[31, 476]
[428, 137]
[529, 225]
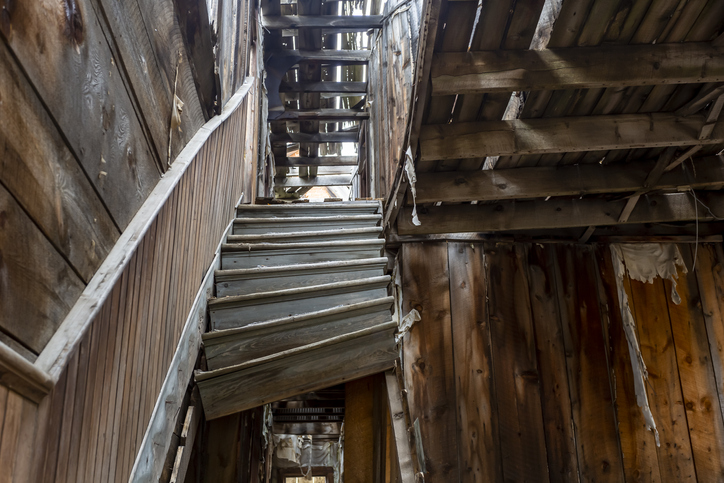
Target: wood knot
[73, 22]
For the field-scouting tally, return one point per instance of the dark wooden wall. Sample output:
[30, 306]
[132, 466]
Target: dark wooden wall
[86, 98]
[91, 425]
[392, 70]
[519, 369]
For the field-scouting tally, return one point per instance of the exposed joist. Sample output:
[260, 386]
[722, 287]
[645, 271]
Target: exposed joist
[347, 22]
[322, 137]
[576, 68]
[310, 181]
[324, 115]
[541, 182]
[293, 162]
[561, 135]
[346, 57]
[326, 87]
[569, 213]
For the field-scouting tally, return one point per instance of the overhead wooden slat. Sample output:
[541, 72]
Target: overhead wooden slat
[576, 68]
[290, 162]
[322, 137]
[538, 215]
[347, 57]
[327, 87]
[297, 182]
[541, 182]
[356, 22]
[561, 135]
[324, 115]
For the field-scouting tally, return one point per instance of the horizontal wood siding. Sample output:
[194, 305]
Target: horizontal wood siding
[91, 425]
[524, 358]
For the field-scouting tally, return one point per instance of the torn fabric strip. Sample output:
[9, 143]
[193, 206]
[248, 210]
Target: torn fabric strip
[629, 326]
[412, 178]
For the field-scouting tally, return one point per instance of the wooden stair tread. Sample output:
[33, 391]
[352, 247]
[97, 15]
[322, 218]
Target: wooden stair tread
[284, 321]
[237, 300]
[278, 236]
[279, 270]
[206, 375]
[248, 247]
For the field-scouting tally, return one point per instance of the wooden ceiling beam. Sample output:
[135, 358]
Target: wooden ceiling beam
[342, 57]
[327, 87]
[347, 22]
[323, 115]
[541, 182]
[322, 137]
[560, 213]
[310, 181]
[576, 68]
[563, 135]
[294, 162]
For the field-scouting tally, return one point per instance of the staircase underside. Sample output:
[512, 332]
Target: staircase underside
[302, 304]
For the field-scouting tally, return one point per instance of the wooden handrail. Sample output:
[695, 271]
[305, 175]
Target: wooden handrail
[55, 355]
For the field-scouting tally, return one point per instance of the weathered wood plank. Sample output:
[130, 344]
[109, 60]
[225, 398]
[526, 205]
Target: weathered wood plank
[516, 375]
[320, 161]
[664, 389]
[322, 137]
[46, 179]
[78, 79]
[576, 68]
[321, 180]
[359, 440]
[541, 182]
[555, 393]
[638, 445]
[401, 445]
[477, 413]
[297, 371]
[39, 287]
[326, 87]
[532, 215]
[562, 135]
[599, 452]
[323, 115]
[698, 382]
[343, 57]
[428, 357]
[346, 22]
[711, 289]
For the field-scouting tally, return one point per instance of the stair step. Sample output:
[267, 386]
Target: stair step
[288, 210]
[309, 236]
[250, 226]
[297, 371]
[242, 310]
[237, 282]
[250, 255]
[234, 346]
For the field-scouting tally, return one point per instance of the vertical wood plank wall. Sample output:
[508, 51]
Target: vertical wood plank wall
[519, 369]
[393, 63]
[94, 420]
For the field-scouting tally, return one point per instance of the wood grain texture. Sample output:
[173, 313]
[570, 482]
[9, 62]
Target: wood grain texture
[43, 175]
[651, 313]
[562, 135]
[575, 68]
[599, 454]
[428, 357]
[516, 373]
[552, 362]
[77, 76]
[477, 412]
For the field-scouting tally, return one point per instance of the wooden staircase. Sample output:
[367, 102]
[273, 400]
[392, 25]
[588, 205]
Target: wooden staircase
[301, 304]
